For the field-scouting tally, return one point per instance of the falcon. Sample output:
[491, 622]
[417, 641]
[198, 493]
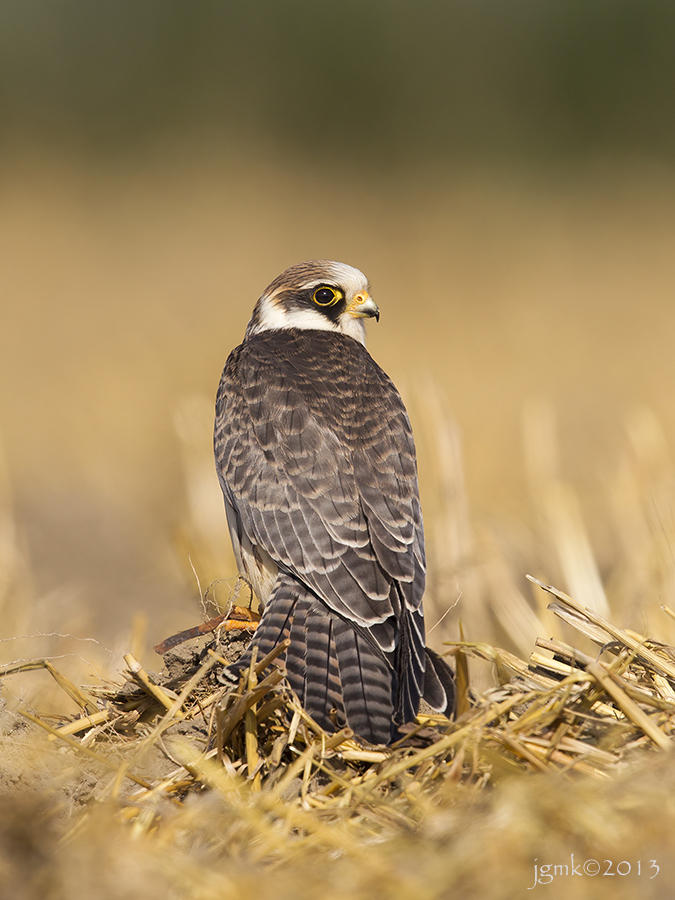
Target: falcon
[316, 460]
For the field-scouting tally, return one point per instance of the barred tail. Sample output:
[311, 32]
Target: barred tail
[338, 675]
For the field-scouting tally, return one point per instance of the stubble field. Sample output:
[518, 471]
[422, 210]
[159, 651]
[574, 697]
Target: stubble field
[528, 322]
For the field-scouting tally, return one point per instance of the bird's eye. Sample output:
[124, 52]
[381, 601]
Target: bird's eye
[326, 296]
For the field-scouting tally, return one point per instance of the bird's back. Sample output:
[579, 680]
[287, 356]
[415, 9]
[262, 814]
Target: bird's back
[315, 454]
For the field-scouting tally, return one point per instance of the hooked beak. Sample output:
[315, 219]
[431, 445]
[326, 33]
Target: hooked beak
[363, 306]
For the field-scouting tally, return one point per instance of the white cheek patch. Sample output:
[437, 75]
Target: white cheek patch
[272, 317]
[308, 318]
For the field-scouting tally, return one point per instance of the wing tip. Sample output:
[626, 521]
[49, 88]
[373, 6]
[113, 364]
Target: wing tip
[439, 684]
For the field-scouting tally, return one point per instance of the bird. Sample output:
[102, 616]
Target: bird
[315, 456]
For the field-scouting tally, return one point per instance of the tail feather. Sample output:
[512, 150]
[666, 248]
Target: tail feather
[274, 627]
[367, 685]
[296, 655]
[323, 689]
[338, 674]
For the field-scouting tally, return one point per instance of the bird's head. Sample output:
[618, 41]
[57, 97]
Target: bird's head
[321, 294]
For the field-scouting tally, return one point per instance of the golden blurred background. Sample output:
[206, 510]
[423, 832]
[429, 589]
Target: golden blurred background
[503, 174]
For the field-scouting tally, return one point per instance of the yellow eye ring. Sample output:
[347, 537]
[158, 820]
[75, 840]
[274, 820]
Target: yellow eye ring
[325, 295]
